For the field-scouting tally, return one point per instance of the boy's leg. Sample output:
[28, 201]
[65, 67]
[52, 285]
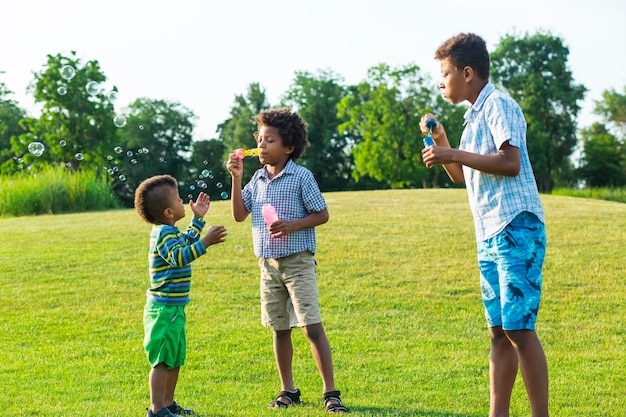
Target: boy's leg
[158, 382]
[320, 347]
[534, 368]
[283, 352]
[170, 386]
[503, 363]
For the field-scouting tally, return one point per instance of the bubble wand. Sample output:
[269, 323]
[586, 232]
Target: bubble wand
[242, 153]
[428, 140]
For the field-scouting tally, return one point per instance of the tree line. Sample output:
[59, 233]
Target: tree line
[363, 136]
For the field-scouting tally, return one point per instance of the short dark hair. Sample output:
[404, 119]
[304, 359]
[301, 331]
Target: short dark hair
[292, 128]
[151, 197]
[466, 50]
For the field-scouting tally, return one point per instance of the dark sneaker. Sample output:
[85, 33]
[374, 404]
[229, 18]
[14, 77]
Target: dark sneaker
[164, 412]
[178, 410]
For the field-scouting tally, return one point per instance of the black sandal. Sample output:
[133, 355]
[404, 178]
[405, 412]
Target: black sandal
[333, 404]
[292, 397]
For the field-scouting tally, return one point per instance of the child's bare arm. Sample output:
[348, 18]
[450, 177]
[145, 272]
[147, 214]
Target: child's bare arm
[283, 227]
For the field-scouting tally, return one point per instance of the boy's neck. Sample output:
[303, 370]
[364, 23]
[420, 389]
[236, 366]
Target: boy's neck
[274, 170]
[476, 88]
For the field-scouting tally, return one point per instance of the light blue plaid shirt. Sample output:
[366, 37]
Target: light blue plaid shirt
[495, 200]
[295, 194]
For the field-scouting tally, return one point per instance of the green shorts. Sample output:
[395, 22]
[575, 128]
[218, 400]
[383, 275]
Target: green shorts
[164, 334]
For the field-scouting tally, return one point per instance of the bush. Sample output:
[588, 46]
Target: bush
[53, 191]
[599, 193]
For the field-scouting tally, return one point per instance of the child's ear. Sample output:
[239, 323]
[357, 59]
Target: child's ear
[468, 73]
[168, 213]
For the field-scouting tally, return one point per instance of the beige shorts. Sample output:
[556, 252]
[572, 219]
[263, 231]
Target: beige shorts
[289, 296]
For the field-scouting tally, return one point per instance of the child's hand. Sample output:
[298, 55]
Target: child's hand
[234, 166]
[216, 234]
[424, 128]
[201, 206]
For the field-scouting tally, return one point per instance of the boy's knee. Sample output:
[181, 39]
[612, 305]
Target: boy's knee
[521, 338]
[313, 331]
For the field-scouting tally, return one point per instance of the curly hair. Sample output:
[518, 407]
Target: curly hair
[293, 129]
[466, 50]
[151, 197]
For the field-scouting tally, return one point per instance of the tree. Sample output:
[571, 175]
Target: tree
[157, 139]
[385, 110]
[328, 157]
[604, 158]
[238, 130]
[533, 69]
[76, 123]
[10, 116]
[604, 154]
[612, 108]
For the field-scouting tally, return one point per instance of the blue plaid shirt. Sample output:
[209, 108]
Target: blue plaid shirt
[495, 200]
[295, 194]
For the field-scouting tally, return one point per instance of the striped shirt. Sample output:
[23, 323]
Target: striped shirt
[169, 259]
[495, 200]
[295, 194]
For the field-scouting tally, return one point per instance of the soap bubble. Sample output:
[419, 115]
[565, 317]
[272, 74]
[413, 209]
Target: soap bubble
[238, 248]
[62, 142]
[93, 88]
[140, 127]
[224, 195]
[129, 154]
[118, 149]
[62, 90]
[206, 173]
[219, 185]
[112, 96]
[119, 120]
[162, 160]
[205, 162]
[36, 148]
[122, 178]
[68, 72]
[79, 156]
[133, 161]
[192, 187]
[202, 184]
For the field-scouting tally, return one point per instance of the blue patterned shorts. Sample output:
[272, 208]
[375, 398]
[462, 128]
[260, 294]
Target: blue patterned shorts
[510, 273]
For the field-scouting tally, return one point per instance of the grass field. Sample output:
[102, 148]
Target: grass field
[399, 298]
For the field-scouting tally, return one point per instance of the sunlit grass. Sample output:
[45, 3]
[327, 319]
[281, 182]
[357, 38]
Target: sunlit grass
[399, 297]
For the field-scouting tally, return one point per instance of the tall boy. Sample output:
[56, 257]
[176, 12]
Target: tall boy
[492, 160]
[286, 248]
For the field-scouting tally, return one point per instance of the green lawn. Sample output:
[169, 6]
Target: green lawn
[399, 297]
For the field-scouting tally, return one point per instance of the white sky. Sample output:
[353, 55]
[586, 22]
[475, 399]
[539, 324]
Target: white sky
[201, 53]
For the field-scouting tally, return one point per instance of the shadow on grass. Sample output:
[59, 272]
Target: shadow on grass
[389, 412]
[364, 411]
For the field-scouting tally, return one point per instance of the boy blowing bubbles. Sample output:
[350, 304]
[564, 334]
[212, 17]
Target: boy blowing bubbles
[492, 160]
[286, 248]
[170, 256]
